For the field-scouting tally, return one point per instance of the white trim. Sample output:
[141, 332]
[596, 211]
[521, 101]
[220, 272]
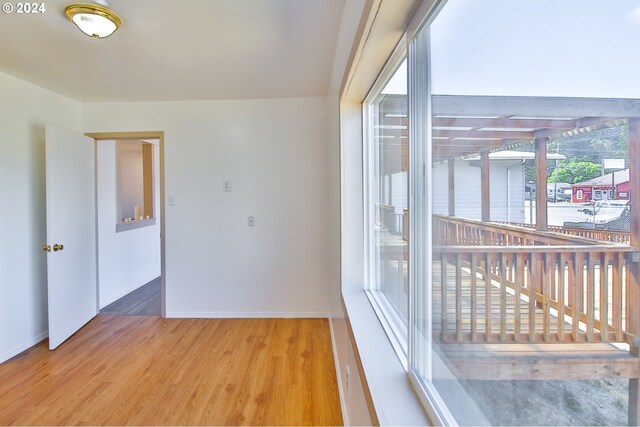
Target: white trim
[336, 363]
[432, 402]
[421, 359]
[391, 323]
[25, 345]
[394, 399]
[396, 58]
[427, 8]
[394, 328]
[247, 315]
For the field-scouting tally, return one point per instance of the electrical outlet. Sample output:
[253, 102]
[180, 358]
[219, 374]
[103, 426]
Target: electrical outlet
[251, 221]
[227, 185]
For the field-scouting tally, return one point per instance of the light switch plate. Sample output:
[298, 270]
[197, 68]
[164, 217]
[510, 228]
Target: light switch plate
[227, 185]
[251, 221]
[172, 200]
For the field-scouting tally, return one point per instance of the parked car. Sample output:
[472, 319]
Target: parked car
[611, 208]
[559, 192]
[620, 221]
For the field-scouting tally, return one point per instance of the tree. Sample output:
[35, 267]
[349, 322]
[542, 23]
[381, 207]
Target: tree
[575, 170]
[607, 143]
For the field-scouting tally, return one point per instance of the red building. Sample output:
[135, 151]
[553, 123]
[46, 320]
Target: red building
[600, 188]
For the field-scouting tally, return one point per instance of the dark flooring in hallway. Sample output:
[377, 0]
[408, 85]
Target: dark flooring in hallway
[144, 301]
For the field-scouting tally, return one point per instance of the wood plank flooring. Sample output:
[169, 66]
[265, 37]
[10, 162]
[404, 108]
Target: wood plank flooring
[481, 308]
[130, 370]
[144, 301]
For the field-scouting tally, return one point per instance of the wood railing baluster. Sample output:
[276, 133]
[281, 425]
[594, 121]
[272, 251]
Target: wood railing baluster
[547, 264]
[604, 297]
[552, 271]
[503, 297]
[458, 298]
[532, 279]
[519, 269]
[487, 298]
[591, 295]
[616, 279]
[578, 261]
[443, 296]
[474, 296]
[561, 300]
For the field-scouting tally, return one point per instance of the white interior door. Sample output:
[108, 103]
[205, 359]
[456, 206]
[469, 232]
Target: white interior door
[71, 233]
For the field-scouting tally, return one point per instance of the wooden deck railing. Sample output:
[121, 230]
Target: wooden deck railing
[502, 284]
[614, 236]
[459, 231]
[604, 235]
[386, 216]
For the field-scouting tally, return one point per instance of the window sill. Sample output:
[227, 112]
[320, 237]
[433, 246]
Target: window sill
[126, 226]
[393, 396]
[391, 323]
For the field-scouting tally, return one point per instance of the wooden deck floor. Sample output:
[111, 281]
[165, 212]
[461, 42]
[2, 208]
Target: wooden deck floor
[123, 370]
[481, 306]
[522, 360]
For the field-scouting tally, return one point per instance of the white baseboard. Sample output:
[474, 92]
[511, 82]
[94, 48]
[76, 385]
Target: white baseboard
[247, 314]
[336, 361]
[22, 347]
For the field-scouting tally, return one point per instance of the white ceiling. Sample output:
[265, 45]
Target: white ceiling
[179, 50]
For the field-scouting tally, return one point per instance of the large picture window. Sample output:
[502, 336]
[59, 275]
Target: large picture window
[387, 201]
[501, 214]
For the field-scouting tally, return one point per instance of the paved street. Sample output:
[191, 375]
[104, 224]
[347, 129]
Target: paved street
[558, 213]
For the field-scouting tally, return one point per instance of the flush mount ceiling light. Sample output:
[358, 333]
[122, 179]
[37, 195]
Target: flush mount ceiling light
[93, 20]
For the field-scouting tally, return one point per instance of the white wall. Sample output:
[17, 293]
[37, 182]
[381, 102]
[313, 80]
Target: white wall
[468, 197]
[130, 178]
[129, 259]
[24, 111]
[275, 153]
[355, 409]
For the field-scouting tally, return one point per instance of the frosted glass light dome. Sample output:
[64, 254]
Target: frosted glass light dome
[93, 20]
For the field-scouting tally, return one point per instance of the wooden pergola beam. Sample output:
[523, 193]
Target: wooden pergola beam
[447, 150]
[485, 189]
[480, 134]
[580, 125]
[533, 106]
[633, 266]
[452, 187]
[541, 183]
[504, 122]
[467, 143]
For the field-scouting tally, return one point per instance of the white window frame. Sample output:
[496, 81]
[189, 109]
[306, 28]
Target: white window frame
[402, 337]
[420, 190]
[391, 322]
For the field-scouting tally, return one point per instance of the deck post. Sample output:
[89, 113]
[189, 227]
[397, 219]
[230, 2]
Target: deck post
[633, 267]
[452, 187]
[541, 183]
[484, 186]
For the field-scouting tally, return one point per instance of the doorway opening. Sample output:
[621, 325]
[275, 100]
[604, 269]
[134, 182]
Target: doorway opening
[130, 222]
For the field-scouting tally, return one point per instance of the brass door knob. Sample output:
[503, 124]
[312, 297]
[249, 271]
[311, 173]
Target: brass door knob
[46, 248]
[58, 247]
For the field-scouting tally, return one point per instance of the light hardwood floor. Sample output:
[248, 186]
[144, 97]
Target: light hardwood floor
[124, 370]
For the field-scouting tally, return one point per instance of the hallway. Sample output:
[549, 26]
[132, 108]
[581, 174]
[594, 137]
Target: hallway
[144, 301]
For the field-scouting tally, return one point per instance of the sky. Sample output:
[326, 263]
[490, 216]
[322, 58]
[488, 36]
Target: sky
[582, 48]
